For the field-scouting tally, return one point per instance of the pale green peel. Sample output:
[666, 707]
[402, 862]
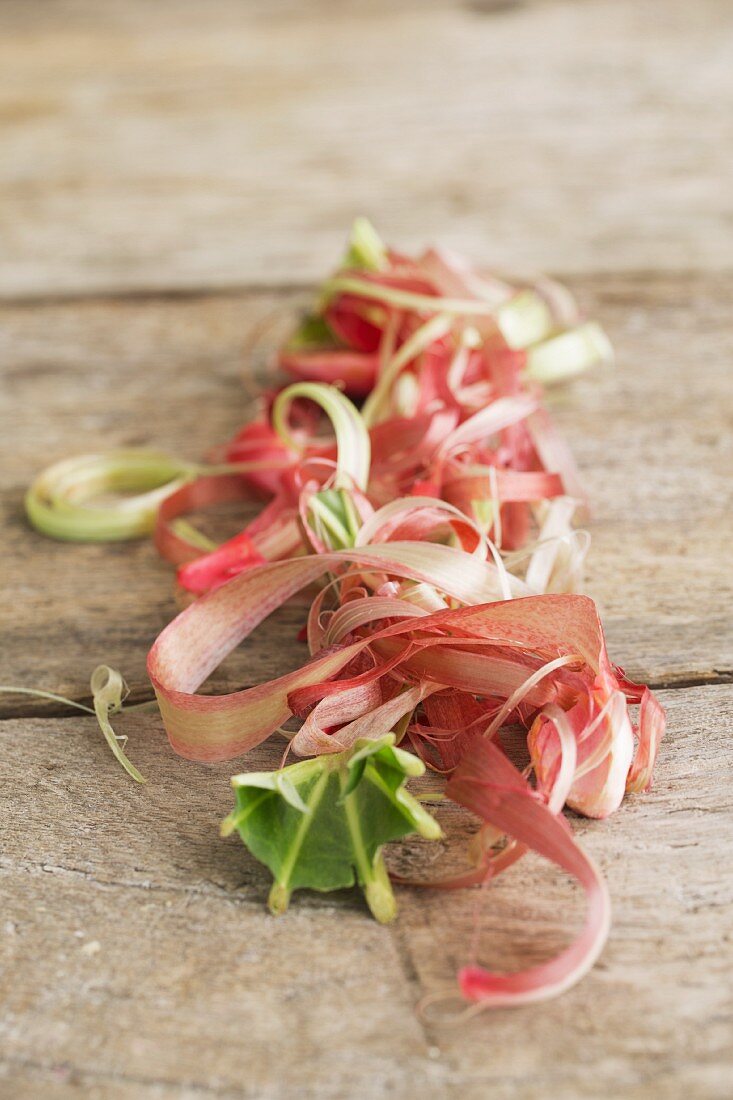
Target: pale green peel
[6, 689]
[483, 512]
[365, 248]
[525, 319]
[353, 446]
[422, 338]
[334, 515]
[325, 510]
[569, 354]
[405, 299]
[192, 535]
[60, 504]
[337, 518]
[108, 692]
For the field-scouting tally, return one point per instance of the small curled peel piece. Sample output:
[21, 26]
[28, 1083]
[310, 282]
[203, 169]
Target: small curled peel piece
[109, 691]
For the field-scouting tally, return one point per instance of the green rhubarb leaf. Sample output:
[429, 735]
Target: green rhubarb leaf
[321, 823]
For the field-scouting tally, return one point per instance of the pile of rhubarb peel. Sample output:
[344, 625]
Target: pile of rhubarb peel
[412, 480]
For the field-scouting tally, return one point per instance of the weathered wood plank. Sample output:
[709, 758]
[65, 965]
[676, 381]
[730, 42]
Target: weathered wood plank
[195, 990]
[231, 144]
[652, 437]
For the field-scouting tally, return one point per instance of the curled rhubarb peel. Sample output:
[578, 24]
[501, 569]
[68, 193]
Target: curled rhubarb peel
[197, 641]
[353, 447]
[489, 785]
[61, 501]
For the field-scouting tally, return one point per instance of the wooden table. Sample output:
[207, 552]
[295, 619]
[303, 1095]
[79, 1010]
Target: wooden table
[175, 177]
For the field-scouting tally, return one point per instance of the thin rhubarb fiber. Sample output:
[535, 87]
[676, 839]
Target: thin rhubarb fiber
[437, 524]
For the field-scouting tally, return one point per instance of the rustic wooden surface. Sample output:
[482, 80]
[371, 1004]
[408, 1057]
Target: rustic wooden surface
[181, 144]
[174, 178]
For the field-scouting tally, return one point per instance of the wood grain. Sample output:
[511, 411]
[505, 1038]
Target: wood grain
[174, 179]
[195, 990]
[231, 143]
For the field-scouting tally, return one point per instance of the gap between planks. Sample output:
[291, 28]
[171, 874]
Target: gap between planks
[205, 291]
[138, 696]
